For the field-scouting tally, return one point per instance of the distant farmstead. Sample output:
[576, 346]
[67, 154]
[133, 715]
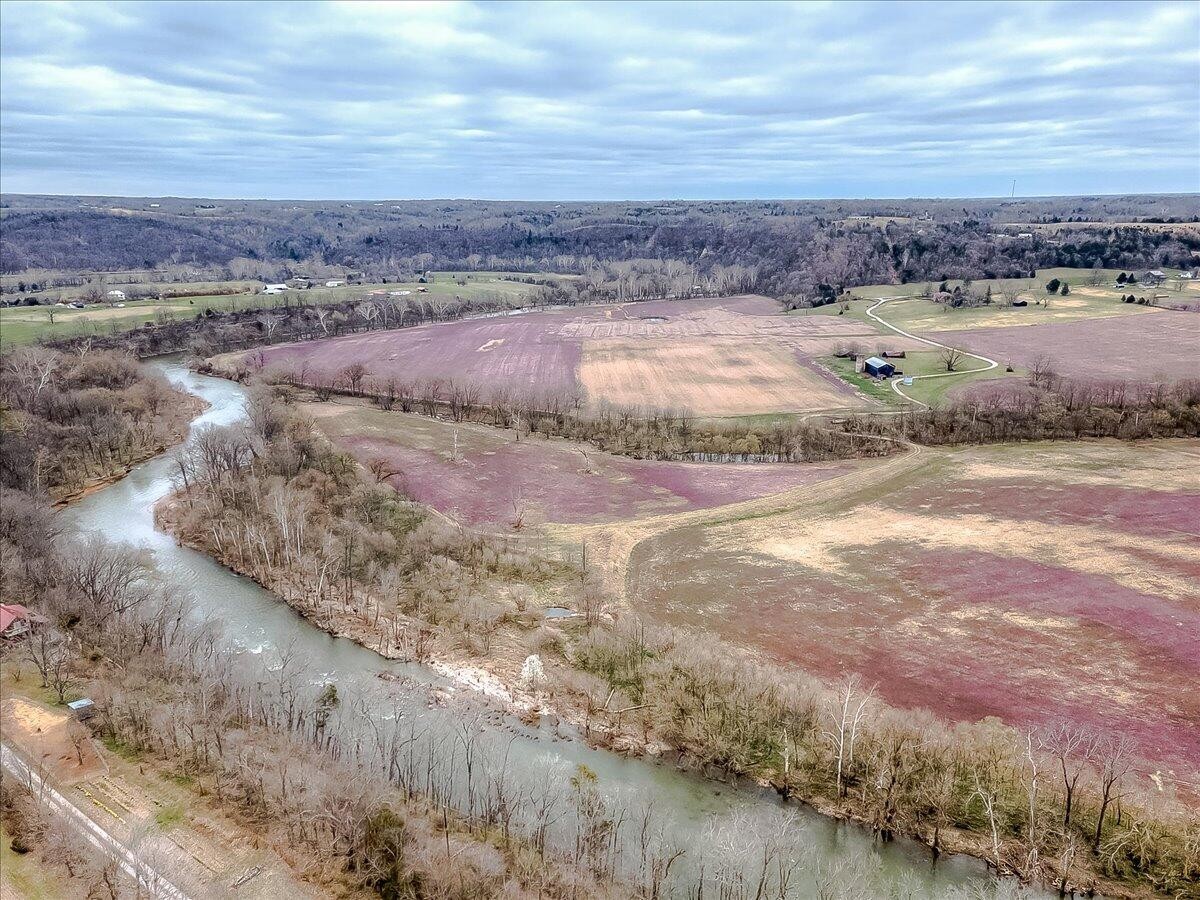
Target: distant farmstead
[878, 368]
[115, 295]
[336, 282]
[275, 289]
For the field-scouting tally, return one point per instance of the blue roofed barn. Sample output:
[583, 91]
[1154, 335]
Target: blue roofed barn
[878, 368]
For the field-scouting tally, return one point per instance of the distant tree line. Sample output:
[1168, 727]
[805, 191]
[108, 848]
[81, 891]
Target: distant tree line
[792, 249]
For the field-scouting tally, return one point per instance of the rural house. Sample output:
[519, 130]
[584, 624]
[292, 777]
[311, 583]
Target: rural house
[879, 368]
[115, 295]
[15, 621]
[275, 288]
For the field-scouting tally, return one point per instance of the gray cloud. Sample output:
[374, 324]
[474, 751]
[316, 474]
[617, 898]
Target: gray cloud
[608, 100]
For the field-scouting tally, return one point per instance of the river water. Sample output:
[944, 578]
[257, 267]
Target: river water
[256, 621]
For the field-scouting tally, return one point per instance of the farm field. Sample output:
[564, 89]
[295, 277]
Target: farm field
[26, 324]
[483, 476]
[1158, 346]
[1035, 583]
[730, 356]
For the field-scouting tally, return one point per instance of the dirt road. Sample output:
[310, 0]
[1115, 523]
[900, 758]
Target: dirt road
[147, 878]
[609, 546]
[989, 364]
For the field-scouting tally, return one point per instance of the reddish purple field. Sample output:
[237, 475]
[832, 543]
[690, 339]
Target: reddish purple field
[552, 485]
[1161, 346]
[522, 352]
[539, 353]
[970, 631]
[1163, 514]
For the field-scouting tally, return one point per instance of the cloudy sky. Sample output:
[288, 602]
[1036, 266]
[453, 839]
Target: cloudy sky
[599, 100]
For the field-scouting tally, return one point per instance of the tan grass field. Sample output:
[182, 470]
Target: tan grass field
[716, 378]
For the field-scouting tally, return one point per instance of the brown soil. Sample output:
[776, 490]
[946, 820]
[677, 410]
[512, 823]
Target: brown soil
[51, 739]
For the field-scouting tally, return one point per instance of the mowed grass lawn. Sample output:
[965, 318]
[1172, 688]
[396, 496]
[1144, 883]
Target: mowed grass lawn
[932, 391]
[26, 324]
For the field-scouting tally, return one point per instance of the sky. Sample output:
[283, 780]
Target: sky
[578, 101]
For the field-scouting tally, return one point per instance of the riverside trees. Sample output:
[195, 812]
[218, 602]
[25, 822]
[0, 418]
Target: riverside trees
[73, 417]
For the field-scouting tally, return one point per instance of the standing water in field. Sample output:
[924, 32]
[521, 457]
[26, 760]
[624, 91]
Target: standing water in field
[711, 821]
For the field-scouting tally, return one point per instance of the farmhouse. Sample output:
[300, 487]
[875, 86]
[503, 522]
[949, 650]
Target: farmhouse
[15, 621]
[275, 288]
[336, 282]
[878, 368]
[115, 295]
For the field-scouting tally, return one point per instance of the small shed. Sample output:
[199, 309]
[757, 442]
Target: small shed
[275, 288]
[878, 368]
[82, 709]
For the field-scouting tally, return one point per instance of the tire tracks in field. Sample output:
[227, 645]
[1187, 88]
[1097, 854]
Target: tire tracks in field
[614, 543]
[989, 363]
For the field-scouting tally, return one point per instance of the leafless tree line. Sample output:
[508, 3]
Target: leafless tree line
[354, 791]
[645, 433]
[1051, 407]
[80, 416]
[1058, 803]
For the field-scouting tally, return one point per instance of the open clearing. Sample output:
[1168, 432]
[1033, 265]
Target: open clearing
[483, 476]
[52, 738]
[1035, 583]
[720, 357]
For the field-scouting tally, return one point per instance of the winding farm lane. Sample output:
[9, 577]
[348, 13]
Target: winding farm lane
[990, 363]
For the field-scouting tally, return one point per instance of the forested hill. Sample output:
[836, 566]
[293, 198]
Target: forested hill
[789, 244]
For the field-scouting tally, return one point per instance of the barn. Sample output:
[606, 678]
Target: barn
[878, 368]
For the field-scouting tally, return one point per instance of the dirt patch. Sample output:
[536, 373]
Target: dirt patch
[53, 740]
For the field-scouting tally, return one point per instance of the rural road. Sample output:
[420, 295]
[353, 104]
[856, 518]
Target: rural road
[989, 363]
[147, 878]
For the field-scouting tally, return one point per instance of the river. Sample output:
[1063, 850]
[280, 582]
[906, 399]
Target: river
[256, 621]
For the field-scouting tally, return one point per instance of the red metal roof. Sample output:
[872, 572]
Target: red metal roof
[11, 612]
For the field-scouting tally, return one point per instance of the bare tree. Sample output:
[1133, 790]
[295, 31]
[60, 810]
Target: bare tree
[1071, 747]
[951, 358]
[1115, 756]
[845, 713]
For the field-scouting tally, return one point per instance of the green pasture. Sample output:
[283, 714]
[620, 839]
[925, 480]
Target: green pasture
[26, 324]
